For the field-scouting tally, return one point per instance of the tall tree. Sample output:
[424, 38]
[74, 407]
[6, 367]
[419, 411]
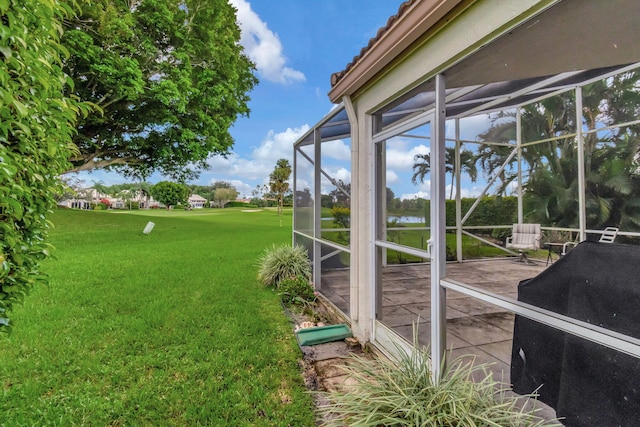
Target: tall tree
[222, 196]
[390, 196]
[341, 194]
[36, 126]
[170, 193]
[101, 189]
[170, 79]
[304, 199]
[144, 189]
[279, 181]
[221, 184]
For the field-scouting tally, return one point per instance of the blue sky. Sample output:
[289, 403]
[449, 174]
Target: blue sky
[296, 46]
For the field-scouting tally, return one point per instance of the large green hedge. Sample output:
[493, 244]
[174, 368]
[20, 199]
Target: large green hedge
[490, 211]
[36, 125]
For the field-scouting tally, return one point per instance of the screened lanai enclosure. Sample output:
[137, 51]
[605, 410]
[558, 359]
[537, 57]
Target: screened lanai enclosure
[458, 120]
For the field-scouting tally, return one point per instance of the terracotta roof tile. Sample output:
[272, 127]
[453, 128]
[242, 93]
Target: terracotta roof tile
[335, 77]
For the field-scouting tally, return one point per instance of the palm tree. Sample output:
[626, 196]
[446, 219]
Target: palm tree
[611, 158]
[279, 181]
[145, 191]
[422, 167]
[101, 189]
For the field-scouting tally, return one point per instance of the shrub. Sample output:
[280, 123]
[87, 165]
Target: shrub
[341, 216]
[501, 233]
[403, 393]
[236, 204]
[297, 291]
[37, 122]
[260, 203]
[283, 262]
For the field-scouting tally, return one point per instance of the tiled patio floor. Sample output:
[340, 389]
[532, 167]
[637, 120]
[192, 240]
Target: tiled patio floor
[473, 327]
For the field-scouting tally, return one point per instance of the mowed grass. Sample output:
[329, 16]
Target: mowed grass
[169, 328]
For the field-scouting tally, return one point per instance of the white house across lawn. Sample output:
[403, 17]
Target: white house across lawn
[197, 202]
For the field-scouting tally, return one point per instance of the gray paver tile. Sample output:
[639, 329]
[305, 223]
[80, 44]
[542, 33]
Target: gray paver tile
[476, 331]
[500, 350]
[397, 316]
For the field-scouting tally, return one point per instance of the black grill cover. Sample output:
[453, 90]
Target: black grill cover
[586, 383]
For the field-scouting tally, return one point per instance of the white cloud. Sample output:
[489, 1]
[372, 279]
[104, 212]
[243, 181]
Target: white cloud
[471, 127]
[343, 175]
[473, 191]
[278, 145]
[418, 195]
[336, 173]
[391, 177]
[275, 146]
[424, 185]
[243, 188]
[336, 149]
[303, 183]
[263, 46]
[399, 156]
[425, 192]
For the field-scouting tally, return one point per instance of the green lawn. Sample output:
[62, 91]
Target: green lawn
[169, 328]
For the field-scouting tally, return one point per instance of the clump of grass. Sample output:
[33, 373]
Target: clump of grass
[403, 393]
[297, 291]
[283, 262]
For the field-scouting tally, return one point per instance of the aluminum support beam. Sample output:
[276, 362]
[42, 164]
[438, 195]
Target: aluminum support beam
[317, 208]
[519, 151]
[582, 186]
[354, 274]
[438, 231]
[457, 168]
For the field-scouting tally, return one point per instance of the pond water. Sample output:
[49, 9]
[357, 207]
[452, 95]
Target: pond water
[406, 219]
[401, 219]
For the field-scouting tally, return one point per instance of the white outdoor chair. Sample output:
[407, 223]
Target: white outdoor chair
[524, 237]
[569, 245]
[608, 235]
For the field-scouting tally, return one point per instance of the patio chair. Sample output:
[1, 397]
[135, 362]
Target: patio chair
[524, 237]
[608, 235]
[567, 246]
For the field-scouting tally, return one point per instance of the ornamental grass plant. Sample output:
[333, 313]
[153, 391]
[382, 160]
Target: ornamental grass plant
[381, 392]
[281, 262]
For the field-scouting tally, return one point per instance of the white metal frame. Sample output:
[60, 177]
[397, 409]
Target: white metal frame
[440, 283]
[316, 234]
